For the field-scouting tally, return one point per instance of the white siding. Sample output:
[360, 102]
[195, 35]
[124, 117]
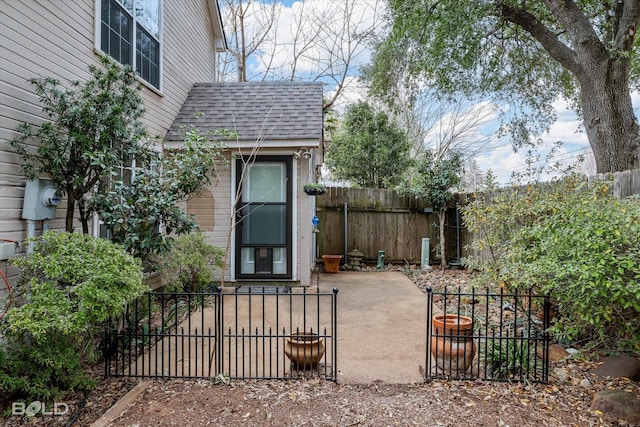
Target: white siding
[41, 38]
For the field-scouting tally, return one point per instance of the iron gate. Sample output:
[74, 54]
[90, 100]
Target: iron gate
[239, 333]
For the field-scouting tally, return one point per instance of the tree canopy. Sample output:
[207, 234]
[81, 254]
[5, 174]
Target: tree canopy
[525, 55]
[368, 149]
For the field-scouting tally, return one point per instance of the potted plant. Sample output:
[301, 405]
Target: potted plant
[452, 342]
[315, 188]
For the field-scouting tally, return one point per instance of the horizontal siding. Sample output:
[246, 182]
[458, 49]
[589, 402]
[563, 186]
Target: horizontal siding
[221, 191]
[41, 38]
[38, 38]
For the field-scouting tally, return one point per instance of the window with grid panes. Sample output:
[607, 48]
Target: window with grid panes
[130, 33]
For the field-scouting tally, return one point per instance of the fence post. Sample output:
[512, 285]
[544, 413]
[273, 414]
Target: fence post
[546, 323]
[427, 365]
[218, 343]
[334, 323]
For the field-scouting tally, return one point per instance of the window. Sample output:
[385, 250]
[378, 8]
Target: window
[130, 33]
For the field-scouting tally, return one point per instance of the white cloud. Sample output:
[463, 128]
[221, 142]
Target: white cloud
[352, 92]
[504, 161]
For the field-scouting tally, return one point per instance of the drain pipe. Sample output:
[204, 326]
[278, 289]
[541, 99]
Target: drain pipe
[31, 233]
[458, 230]
[346, 231]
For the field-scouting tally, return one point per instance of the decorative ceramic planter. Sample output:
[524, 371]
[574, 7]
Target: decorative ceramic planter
[331, 263]
[304, 349]
[452, 343]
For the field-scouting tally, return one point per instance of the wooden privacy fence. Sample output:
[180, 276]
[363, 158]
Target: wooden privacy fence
[625, 183]
[371, 220]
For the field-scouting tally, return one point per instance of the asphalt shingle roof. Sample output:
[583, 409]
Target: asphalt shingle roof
[255, 110]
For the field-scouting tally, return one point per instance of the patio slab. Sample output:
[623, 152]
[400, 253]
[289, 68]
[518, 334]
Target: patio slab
[381, 327]
[381, 331]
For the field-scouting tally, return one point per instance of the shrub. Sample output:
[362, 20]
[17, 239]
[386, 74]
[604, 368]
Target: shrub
[192, 264]
[69, 286]
[133, 210]
[579, 244]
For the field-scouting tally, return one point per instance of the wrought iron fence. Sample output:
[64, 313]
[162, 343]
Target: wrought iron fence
[490, 336]
[246, 333]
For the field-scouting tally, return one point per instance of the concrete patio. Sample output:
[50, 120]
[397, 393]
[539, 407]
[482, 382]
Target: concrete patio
[381, 331]
[381, 327]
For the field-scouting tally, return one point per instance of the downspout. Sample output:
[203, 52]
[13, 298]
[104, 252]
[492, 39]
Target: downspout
[346, 230]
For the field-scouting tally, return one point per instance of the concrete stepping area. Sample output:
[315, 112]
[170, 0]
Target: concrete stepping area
[381, 327]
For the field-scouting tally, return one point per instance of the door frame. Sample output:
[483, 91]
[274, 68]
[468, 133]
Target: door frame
[238, 165]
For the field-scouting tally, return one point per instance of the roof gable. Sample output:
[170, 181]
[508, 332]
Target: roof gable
[257, 111]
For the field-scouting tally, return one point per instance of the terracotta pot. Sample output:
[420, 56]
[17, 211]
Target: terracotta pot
[452, 343]
[540, 314]
[304, 349]
[331, 263]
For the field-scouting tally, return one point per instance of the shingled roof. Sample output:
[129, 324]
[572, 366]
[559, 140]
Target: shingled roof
[267, 111]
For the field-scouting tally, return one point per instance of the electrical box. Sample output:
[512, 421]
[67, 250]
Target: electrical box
[40, 200]
[7, 250]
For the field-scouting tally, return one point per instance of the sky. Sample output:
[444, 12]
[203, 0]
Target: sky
[502, 159]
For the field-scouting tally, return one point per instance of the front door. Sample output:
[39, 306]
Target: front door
[263, 218]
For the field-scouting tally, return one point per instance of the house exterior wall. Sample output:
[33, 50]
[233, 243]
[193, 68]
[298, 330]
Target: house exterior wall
[214, 205]
[41, 38]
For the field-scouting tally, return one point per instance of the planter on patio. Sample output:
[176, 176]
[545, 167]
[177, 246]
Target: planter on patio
[452, 343]
[331, 263]
[304, 349]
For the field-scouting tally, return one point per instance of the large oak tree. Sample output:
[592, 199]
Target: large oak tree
[524, 54]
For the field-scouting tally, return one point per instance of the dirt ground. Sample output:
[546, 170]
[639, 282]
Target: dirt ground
[321, 403]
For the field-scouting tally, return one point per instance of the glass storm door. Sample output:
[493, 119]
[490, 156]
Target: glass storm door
[263, 219]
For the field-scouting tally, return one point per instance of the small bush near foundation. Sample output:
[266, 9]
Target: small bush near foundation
[69, 286]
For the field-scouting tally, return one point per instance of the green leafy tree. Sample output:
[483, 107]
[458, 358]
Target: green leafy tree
[433, 179]
[368, 149]
[93, 128]
[579, 244]
[134, 209]
[524, 54]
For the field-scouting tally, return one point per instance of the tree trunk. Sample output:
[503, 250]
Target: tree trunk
[602, 70]
[442, 215]
[83, 216]
[71, 208]
[610, 123]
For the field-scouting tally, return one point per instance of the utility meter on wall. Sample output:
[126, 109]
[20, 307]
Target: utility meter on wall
[50, 197]
[40, 200]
